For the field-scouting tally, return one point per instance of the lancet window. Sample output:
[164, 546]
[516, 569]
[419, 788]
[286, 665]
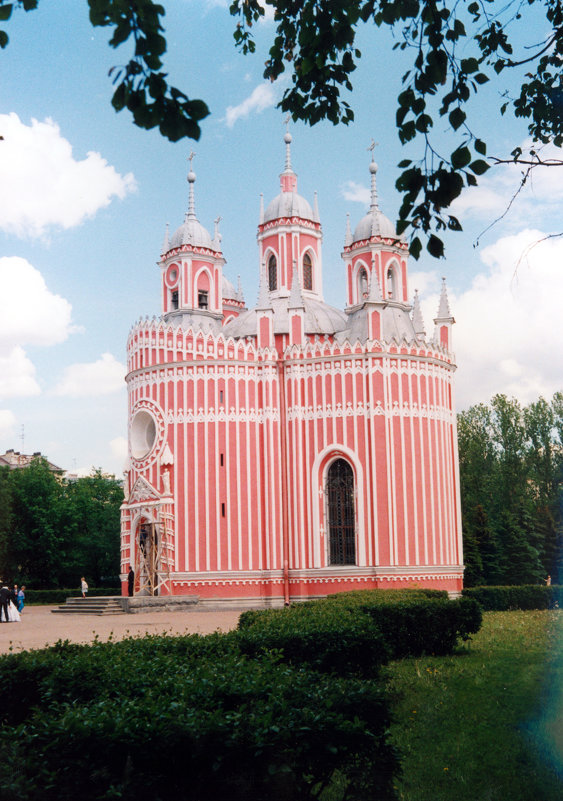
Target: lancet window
[341, 513]
[307, 272]
[272, 273]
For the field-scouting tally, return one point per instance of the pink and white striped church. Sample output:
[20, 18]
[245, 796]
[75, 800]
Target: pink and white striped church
[293, 449]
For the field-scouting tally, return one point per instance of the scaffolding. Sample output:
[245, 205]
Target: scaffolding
[152, 552]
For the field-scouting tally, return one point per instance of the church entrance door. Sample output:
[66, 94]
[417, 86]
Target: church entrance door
[341, 513]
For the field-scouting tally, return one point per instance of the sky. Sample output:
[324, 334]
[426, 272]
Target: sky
[85, 197]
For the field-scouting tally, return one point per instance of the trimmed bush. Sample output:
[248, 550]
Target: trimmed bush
[154, 719]
[53, 597]
[328, 639]
[526, 596]
[411, 624]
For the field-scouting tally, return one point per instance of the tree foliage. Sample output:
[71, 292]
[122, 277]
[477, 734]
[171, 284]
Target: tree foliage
[454, 48]
[52, 531]
[511, 472]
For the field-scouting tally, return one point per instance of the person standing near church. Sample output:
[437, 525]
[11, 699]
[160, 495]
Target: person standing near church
[4, 602]
[130, 581]
[83, 586]
[21, 597]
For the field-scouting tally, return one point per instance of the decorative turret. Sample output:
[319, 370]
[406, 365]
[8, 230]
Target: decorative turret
[444, 321]
[289, 231]
[191, 267]
[374, 245]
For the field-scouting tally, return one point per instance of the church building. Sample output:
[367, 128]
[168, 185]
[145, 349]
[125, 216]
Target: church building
[293, 449]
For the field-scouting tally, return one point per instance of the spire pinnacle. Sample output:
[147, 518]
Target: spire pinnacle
[374, 292]
[288, 179]
[240, 294]
[263, 296]
[166, 243]
[444, 312]
[191, 181]
[417, 319]
[295, 296]
[373, 170]
[261, 208]
[348, 235]
[287, 139]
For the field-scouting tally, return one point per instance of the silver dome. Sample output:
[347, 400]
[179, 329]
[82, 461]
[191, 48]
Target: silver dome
[289, 204]
[192, 232]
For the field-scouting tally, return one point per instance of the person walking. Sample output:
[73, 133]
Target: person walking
[21, 597]
[83, 586]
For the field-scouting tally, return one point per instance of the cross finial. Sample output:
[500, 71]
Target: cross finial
[190, 159]
[286, 122]
[372, 146]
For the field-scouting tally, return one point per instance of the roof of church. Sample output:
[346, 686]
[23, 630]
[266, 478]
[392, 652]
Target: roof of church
[374, 223]
[289, 203]
[320, 318]
[192, 232]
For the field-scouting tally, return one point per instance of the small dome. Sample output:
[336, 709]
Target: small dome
[375, 223]
[228, 290]
[289, 204]
[192, 233]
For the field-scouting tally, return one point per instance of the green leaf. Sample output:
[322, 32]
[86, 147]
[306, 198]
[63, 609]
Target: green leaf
[6, 12]
[479, 166]
[3, 39]
[469, 65]
[480, 147]
[457, 118]
[461, 157]
[415, 248]
[435, 246]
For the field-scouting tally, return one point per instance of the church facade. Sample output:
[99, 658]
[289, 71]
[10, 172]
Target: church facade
[291, 450]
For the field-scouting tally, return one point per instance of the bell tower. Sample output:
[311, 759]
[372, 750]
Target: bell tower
[289, 233]
[192, 267]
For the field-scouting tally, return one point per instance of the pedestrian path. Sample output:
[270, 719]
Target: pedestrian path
[39, 627]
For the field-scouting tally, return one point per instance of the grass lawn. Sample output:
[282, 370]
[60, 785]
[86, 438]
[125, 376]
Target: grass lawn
[487, 723]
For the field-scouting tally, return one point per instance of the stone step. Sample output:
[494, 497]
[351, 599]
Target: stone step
[102, 605]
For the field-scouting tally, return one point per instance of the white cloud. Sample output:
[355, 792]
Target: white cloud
[509, 335]
[7, 423]
[43, 186]
[263, 97]
[17, 375]
[29, 313]
[119, 449]
[102, 377]
[357, 193]
[541, 195]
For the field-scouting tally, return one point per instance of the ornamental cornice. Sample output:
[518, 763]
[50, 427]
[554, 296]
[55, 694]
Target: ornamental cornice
[286, 222]
[197, 250]
[378, 409]
[222, 415]
[387, 241]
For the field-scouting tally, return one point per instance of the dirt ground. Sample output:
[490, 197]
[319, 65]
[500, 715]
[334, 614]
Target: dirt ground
[39, 627]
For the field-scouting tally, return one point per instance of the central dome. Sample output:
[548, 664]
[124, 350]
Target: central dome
[289, 204]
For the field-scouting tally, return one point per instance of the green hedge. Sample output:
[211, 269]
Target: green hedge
[52, 597]
[411, 623]
[317, 636]
[186, 718]
[527, 596]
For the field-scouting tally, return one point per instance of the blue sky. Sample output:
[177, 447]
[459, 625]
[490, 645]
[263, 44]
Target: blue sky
[85, 197]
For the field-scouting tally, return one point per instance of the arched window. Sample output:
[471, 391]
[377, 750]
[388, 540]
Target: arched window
[174, 299]
[363, 284]
[341, 515]
[307, 272]
[392, 284]
[272, 273]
